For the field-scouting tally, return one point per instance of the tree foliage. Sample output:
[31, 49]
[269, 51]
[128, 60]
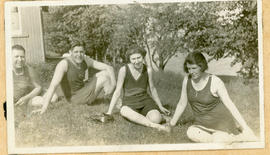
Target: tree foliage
[220, 29]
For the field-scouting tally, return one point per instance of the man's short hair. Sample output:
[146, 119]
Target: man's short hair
[196, 58]
[18, 47]
[75, 43]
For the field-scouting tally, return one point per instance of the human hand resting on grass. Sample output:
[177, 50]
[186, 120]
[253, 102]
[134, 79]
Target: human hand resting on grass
[40, 103]
[164, 110]
[40, 111]
[22, 100]
[247, 135]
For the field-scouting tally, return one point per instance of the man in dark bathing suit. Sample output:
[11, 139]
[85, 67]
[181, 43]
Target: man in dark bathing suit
[70, 74]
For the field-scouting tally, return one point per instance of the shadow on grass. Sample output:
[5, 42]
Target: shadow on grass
[100, 101]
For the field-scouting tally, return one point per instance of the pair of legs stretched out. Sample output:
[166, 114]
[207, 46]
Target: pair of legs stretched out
[92, 88]
[86, 95]
[145, 116]
[202, 134]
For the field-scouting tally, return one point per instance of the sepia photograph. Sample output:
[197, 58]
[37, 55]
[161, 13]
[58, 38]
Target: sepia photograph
[120, 76]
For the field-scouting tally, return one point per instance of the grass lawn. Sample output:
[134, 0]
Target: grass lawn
[66, 124]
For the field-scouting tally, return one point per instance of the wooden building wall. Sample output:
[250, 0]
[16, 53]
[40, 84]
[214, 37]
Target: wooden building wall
[31, 36]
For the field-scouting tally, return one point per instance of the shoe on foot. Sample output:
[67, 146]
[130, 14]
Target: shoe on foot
[102, 118]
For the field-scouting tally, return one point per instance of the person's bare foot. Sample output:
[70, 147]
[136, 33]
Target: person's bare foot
[166, 127]
[245, 138]
[223, 137]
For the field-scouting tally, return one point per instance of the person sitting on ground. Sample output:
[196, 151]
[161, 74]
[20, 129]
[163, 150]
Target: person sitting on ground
[134, 78]
[25, 85]
[70, 74]
[213, 110]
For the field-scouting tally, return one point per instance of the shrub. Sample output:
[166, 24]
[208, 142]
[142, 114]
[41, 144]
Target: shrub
[45, 72]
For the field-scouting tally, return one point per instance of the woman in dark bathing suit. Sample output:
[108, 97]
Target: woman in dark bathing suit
[212, 107]
[138, 106]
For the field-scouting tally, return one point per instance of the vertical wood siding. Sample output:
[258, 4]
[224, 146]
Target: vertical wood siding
[32, 37]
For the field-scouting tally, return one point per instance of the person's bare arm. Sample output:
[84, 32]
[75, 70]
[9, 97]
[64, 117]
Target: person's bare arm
[225, 98]
[60, 70]
[118, 90]
[154, 92]
[181, 104]
[36, 91]
[101, 66]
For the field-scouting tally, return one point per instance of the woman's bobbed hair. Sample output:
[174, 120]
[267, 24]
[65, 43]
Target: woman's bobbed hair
[196, 58]
[135, 49]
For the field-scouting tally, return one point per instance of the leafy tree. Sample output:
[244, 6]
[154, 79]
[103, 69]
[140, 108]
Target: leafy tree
[220, 29]
[84, 23]
[241, 41]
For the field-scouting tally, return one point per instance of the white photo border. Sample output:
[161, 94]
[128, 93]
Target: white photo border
[12, 149]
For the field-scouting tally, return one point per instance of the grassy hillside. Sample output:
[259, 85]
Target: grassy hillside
[69, 125]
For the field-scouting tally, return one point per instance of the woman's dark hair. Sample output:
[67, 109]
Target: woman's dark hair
[196, 58]
[135, 49]
[18, 47]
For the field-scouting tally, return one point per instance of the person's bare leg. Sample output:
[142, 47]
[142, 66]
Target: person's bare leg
[140, 119]
[154, 116]
[103, 82]
[198, 135]
[202, 134]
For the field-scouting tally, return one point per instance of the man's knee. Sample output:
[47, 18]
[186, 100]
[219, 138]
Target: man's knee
[103, 75]
[103, 78]
[154, 116]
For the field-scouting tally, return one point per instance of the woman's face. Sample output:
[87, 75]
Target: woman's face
[194, 70]
[136, 60]
[77, 54]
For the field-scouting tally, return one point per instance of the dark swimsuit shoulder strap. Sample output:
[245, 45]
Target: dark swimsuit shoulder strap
[144, 68]
[126, 72]
[189, 79]
[127, 69]
[189, 76]
[210, 81]
[68, 61]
